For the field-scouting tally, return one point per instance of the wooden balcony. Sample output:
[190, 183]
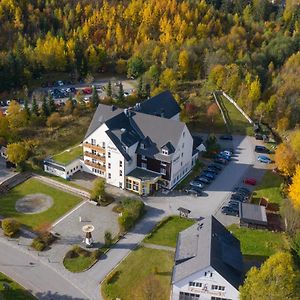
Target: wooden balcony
[95, 156]
[94, 147]
[95, 165]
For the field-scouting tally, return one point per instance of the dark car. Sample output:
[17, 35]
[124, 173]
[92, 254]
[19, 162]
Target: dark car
[220, 161]
[237, 197]
[234, 204]
[215, 166]
[258, 137]
[226, 137]
[211, 170]
[203, 179]
[261, 149]
[230, 211]
[208, 175]
[242, 190]
[223, 156]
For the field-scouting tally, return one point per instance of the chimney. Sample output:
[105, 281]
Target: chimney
[113, 108]
[127, 112]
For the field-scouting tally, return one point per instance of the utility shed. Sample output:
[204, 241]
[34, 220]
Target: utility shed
[253, 215]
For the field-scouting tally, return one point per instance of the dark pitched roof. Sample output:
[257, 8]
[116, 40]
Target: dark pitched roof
[253, 213]
[197, 141]
[143, 174]
[162, 104]
[208, 243]
[101, 115]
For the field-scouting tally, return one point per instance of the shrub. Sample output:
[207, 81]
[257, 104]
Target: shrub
[38, 245]
[10, 227]
[118, 208]
[107, 238]
[126, 221]
[98, 191]
[97, 253]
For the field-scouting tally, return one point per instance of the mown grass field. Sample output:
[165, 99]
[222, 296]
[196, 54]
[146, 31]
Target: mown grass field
[142, 266]
[62, 203]
[166, 232]
[68, 155]
[269, 188]
[15, 291]
[258, 242]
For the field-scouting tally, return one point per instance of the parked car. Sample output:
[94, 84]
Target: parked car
[264, 159]
[234, 203]
[227, 153]
[60, 83]
[87, 91]
[220, 161]
[211, 170]
[197, 184]
[203, 179]
[258, 137]
[242, 190]
[208, 175]
[193, 192]
[230, 211]
[222, 156]
[215, 166]
[226, 137]
[237, 197]
[251, 181]
[261, 149]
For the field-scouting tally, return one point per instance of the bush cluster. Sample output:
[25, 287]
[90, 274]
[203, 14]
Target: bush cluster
[10, 226]
[43, 241]
[131, 210]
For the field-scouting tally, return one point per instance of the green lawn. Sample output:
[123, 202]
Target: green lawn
[269, 188]
[259, 242]
[129, 279]
[239, 124]
[166, 232]
[67, 156]
[16, 292]
[62, 203]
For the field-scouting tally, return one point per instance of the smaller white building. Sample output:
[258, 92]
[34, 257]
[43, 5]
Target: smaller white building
[208, 263]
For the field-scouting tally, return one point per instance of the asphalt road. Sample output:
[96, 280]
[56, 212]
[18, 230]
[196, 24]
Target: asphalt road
[39, 278]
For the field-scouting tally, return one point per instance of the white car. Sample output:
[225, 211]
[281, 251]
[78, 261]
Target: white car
[197, 184]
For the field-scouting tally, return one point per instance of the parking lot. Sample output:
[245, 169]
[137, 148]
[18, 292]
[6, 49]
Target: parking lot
[215, 195]
[4, 172]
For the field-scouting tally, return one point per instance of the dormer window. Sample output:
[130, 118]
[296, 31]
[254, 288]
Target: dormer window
[142, 146]
[165, 152]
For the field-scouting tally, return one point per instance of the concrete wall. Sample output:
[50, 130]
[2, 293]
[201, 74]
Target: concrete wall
[69, 170]
[205, 291]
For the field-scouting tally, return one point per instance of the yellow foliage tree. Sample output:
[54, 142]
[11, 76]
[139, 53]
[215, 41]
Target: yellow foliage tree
[294, 189]
[285, 159]
[295, 143]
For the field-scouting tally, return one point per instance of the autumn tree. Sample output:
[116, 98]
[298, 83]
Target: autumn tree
[54, 120]
[135, 67]
[98, 191]
[212, 111]
[17, 153]
[285, 159]
[184, 63]
[294, 190]
[4, 127]
[16, 116]
[277, 277]
[168, 79]
[295, 143]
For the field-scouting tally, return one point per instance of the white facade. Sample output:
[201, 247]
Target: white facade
[206, 284]
[63, 171]
[182, 158]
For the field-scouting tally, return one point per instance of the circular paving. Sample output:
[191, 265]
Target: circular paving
[34, 203]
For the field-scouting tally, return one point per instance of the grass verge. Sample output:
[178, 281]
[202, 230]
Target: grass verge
[62, 203]
[15, 291]
[165, 233]
[258, 242]
[269, 188]
[144, 268]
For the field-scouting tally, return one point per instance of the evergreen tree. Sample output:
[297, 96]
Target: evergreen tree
[121, 93]
[34, 107]
[52, 106]
[141, 89]
[109, 89]
[45, 108]
[147, 91]
[26, 107]
[95, 98]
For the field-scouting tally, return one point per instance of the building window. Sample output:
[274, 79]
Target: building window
[135, 186]
[193, 283]
[188, 296]
[94, 152]
[128, 184]
[108, 154]
[103, 145]
[183, 134]
[109, 176]
[144, 157]
[121, 164]
[218, 287]
[182, 145]
[121, 173]
[109, 165]
[163, 171]
[182, 154]
[181, 164]
[120, 185]
[218, 298]
[142, 146]
[93, 141]
[144, 165]
[164, 152]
